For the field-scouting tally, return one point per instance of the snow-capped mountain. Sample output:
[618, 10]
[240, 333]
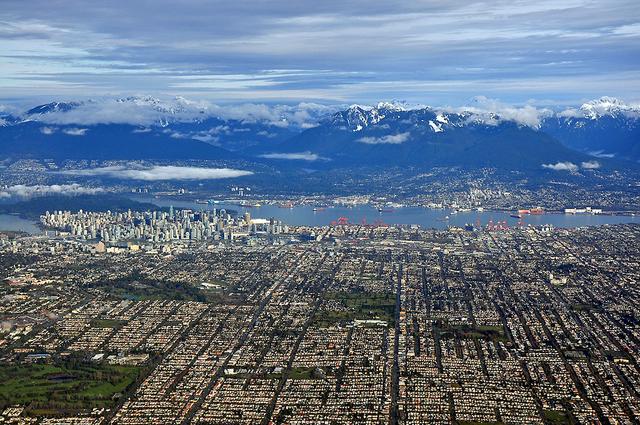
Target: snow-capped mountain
[52, 108]
[137, 118]
[358, 117]
[609, 106]
[427, 137]
[387, 133]
[605, 127]
[150, 111]
[141, 110]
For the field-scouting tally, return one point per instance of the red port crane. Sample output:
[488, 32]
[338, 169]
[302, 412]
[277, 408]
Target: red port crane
[342, 221]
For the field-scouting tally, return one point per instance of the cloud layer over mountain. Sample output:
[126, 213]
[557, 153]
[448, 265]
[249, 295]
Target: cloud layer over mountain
[25, 191]
[304, 156]
[148, 110]
[159, 172]
[391, 139]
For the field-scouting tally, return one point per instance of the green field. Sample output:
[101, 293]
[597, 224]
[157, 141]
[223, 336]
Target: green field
[153, 290]
[492, 333]
[63, 388]
[305, 373]
[106, 323]
[301, 372]
[359, 305]
[556, 417]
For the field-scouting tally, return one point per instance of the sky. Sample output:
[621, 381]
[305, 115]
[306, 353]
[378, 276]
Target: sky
[331, 51]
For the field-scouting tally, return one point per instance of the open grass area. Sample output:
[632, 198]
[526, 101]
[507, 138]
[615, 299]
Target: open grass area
[301, 372]
[556, 417]
[492, 333]
[106, 323]
[306, 373]
[357, 305]
[140, 290]
[56, 389]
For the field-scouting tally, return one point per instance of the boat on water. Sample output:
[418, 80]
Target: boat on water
[286, 205]
[250, 205]
[516, 215]
[537, 211]
[385, 210]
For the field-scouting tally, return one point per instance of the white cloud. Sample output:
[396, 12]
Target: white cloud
[570, 113]
[632, 30]
[392, 139]
[146, 111]
[75, 131]
[141, 111]
[561, 166]
[48, 130]
[164, 172]
[601, 154]
[485, 109]
[590, 165]
[304, 114]
[207, 138]
[9, 109]
[23, 191]
[305, 156]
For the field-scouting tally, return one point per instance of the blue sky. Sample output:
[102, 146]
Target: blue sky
[332, 51]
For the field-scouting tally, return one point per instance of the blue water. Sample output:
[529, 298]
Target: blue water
[305, 216]
[425, 217]
[14, 223]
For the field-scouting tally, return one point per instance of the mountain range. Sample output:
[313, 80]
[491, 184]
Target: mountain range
[388, 134]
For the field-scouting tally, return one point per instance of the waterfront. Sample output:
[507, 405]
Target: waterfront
[14, 223]
[304, 215]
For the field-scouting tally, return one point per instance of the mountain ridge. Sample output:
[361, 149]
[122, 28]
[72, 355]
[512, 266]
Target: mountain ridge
[388, 133]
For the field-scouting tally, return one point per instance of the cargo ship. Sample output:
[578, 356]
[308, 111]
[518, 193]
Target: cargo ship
[532, 211]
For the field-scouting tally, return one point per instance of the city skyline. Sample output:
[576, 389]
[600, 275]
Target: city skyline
[303, 213]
